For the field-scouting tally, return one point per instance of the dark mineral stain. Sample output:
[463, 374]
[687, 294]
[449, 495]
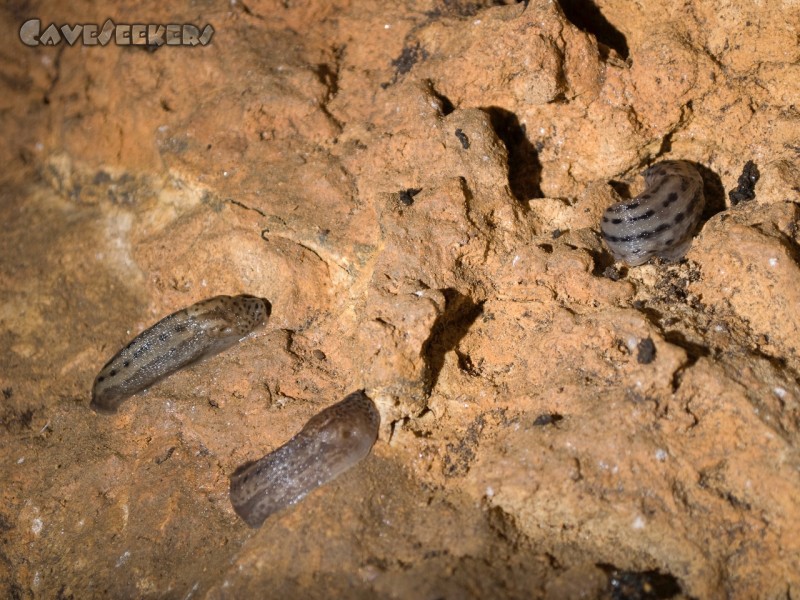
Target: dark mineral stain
[407, 196]
[547, 419]
[647, 352]
[462, 137]
[745, 190]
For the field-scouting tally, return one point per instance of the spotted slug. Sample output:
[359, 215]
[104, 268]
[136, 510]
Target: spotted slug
[329, 444]
[184, 337]
[661, 220]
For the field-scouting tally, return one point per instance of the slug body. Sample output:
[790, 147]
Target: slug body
[661, 220]
[184, 337]
[332, 442]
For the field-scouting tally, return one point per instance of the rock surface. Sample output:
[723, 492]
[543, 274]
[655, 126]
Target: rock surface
[416, 187]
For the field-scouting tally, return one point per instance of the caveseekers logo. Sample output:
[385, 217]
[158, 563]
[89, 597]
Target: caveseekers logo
[135, 34]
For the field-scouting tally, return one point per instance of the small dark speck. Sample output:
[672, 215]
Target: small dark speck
[613, 273]
[407, 196]
[557, 233]
[7, 393]
[547, 419]
[462, 137]
[647, 352]
[149, 48]
[319, 354]
[745, 189]
[166, 456]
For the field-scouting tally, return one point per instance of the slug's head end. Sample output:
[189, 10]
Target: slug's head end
[251, 312]
[102, 404]
[104, 401]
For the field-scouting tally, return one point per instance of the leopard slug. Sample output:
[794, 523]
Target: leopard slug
[176, 341]
[661, 220]
[329, 444]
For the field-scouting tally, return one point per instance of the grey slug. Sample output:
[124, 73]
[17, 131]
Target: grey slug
[661, 220]
[184, 337]
[332, 442]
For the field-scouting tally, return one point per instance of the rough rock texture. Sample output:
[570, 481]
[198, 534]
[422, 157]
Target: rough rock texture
[416, 187]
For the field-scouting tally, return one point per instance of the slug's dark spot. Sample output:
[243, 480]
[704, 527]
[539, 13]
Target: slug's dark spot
[671, 198]
[638, 236]
[684, 184]
[679, 217]
[656, 187]
[645, 215]
[605, 219]
[163, 337]
[112, 373]
[646, 196]
[126, 364]
[616, 221]
[179, 328]
[101, 379]
[632, 205]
